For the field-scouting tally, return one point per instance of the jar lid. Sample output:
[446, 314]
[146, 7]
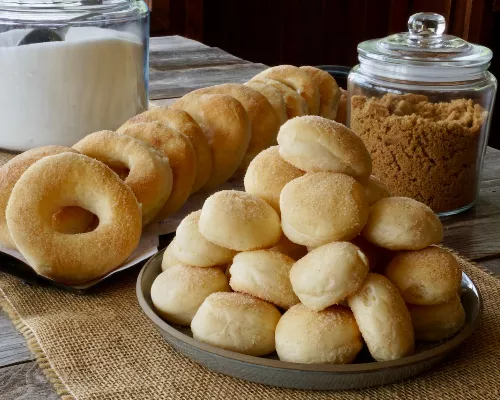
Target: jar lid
[424, 50]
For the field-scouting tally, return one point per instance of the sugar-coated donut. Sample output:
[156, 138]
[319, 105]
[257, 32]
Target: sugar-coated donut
[377, 256]
[329, 91]
[375, 190]
[287, 247]
[10, 174]
[227, 128]
[322, 207]
[267, 174]
[330, 336]
[169, 259]
[263, 119]
[192, 248]
[274, 97]
[316, 144]
[237, 322]
[425, 277]
[178, 292]
[298, 80]
[264, 274]
[401, 223]
[150, 176]
[383, 319]
[295, 105]
[342, 108]
[239, 221]
[70, 179]
[328, 274]
[437, 322]
[177, 147]
[184, 123]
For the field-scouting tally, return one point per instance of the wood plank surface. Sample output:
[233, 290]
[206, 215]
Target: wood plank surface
[25, 382]
[13, 348]
[164, 60]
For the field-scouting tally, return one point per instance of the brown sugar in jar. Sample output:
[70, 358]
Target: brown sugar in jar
[427, 151]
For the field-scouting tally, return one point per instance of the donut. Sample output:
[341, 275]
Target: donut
[263, 119]
[287, 247]
[295, 105]
[264, 274]
[274, 97]
[178, 292]
[315, 144]
[169, 258]
[267, 174]
[184, 123]
[330, 336]
[236, 322]
[192, 248]
[375, 190]
[239, 221]
[401, 223]
[11, 172]
[329, 91]
[437, 322]
[383, 319]
[298, 80]
[425, 277]
[150, 176]
[328, 274]
[342, 108]
[227, 127]
[70, 179]
[170, 143]
[322, 207]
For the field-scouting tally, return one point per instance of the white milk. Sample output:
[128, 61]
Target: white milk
[58, 92]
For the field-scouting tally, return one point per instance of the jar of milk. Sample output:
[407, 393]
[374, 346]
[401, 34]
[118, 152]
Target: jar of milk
[69, 68]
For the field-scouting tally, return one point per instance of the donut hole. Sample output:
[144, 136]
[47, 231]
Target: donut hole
[368, 297]
[74, 220]
[120, 169]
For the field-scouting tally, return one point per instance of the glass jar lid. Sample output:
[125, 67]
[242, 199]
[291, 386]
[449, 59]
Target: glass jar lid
[424, 53]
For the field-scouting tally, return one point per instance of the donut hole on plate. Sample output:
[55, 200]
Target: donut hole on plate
[74, 220]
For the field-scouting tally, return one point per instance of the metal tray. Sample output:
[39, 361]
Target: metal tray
[270, 371]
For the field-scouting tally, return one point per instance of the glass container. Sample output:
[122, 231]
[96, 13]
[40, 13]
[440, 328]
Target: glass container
[422, 103]
[69, 68]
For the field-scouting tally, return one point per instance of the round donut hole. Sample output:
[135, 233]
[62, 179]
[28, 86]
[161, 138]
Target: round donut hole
[120, 169]
[74, 220]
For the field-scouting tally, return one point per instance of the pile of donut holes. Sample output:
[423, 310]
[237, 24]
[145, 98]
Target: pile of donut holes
[74, 220]
[313, 260]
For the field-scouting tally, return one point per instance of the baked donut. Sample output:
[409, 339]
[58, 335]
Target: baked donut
[328, 274]
[383, 319]
[316, 144]
[236, 322]
[264, 274]
[342, 108]
[239, 221]
[329, 91]
[425, 277]
[184, 123]
[287, 247]
[174, 145]
[64, 221]
[375, 190]
[263, 119]
[274, 97]
[437, 322]
[298, 80]
[295, 105]
[267, 174]
[150, 176]
[401, 223]
[227, 127]
[70, 179]
[179, 291]
[192, 248]
[330, 336]
[169, 258]
[322, 207]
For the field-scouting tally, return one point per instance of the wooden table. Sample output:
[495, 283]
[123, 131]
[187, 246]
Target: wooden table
[179, 65]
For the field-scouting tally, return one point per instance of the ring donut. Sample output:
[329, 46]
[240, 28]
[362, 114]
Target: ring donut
[183, 122]
[274, 97]
[329, 91]
[179, 150]
[70, 179]
[298, 80]
[295, 105]
[227, 127]
[69, 220]
[150, 176]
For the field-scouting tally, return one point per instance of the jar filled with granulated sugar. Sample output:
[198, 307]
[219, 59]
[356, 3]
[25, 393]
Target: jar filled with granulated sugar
[422, 103]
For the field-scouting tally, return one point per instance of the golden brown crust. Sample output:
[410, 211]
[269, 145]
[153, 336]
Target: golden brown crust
[150, 176]
[329, 91]
[274, 97]
[342, 108]
[73, 180]
[296, 106]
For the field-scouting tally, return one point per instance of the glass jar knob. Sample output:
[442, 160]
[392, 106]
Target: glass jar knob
[426, 24]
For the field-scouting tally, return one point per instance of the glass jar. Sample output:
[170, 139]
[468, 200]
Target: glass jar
[69, 68]
[422, 103]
